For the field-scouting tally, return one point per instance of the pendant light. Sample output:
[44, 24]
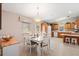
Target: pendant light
[37, 18]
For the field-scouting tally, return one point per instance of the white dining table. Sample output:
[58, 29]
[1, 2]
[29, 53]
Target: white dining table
[37, 39]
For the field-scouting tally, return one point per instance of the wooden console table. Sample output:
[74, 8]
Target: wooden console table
[4, 43]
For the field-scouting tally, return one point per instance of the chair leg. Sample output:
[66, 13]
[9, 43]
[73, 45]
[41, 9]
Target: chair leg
[41, 51]
[30, 50]
[48, 49]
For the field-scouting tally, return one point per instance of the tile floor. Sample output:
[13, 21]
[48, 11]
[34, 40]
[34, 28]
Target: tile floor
[57, 48]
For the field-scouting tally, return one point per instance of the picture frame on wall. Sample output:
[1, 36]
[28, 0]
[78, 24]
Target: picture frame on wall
[0, 14]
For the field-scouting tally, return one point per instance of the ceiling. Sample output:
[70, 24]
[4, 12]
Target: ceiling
[49, 12]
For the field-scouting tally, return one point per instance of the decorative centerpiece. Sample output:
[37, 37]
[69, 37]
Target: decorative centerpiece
[6, 37]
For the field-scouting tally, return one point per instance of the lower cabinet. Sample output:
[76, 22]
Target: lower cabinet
[12, 50]
[71, 39]
[61, 36]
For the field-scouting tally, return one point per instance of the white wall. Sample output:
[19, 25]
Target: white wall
[12, 25]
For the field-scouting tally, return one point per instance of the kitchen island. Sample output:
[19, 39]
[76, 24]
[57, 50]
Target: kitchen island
[58, 34]
[71, 38]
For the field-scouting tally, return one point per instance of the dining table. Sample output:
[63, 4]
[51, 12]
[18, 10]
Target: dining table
[39, 40]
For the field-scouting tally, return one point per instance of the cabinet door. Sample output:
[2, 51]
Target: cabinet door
[44, 27]
[12, 50]
[77, 23]
[68, 26]
[72, 25]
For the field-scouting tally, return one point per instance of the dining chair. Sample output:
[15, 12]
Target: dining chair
[68, 40]
[45, 43]
[74, 40]
[29, 43]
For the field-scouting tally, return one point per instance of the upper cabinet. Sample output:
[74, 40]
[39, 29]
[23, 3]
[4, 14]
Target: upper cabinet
[44, 27]
[54, 26]
[69, 26]
[77, 22]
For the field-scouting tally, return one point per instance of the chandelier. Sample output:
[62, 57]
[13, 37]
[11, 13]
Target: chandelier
[37, 18]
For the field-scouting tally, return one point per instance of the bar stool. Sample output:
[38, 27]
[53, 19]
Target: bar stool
[74, 40]
[67, 40]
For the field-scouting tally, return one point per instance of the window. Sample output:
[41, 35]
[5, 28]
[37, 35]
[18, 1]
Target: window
[25, 27]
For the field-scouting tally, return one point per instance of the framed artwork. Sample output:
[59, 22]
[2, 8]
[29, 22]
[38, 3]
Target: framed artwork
[0, 14]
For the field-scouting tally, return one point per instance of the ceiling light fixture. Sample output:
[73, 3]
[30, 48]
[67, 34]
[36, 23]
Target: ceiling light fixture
[37, 18]
[69, 17]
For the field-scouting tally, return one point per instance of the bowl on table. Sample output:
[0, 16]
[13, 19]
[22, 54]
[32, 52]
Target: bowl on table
[6, 38]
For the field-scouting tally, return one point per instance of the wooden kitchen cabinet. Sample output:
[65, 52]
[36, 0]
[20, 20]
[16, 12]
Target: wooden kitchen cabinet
[54, 26]
[44, 27]
[60, 34]
[72, 25]
[52, 34]
[72, 39]
[68, 26]
[77, 22]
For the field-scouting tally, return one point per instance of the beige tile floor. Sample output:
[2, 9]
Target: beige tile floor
[62, 49]
[57, 48]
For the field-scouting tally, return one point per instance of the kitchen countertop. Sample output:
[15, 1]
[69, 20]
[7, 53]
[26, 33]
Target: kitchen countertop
[73, 35]
[67, 31]
[62, 31]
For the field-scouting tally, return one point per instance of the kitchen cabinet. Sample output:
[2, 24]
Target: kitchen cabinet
[12, 50]
[52, 34]
[68, 26]
[72, 25]
[54, 26]
[60, 34]
[44, 27]
[55, 34]
[70, 33]
[72, 39]
[77, 22]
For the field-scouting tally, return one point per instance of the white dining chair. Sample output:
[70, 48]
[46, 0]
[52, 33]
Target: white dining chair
[28, 42]
[45, 43]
